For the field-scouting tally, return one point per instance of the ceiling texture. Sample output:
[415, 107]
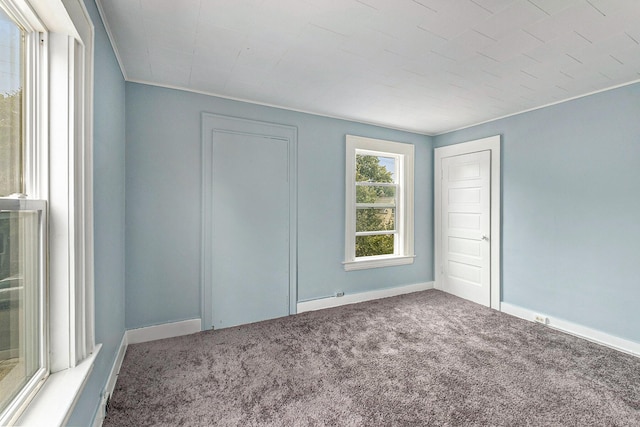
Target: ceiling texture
[428, 66]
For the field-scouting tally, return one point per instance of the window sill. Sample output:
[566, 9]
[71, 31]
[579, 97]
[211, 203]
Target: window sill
[378, 262]
[54, 402]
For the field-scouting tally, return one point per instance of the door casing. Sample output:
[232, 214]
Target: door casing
[214, 123]
[491, 144]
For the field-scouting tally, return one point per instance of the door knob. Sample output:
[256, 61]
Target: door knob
[485, 237]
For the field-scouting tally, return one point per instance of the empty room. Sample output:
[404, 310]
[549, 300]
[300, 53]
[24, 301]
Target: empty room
[319, 213]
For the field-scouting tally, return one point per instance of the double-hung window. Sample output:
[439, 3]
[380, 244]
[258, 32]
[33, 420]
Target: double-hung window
[46, 265]
[23, 334]
[379, 203]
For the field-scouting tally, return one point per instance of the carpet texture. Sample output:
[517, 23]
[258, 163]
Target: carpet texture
[423, 359]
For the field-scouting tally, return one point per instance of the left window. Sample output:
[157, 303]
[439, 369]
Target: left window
[46, 209]
[23, 337]
[12, 63]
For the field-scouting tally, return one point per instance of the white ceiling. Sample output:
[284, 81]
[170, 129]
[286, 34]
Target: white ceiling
[428, 66]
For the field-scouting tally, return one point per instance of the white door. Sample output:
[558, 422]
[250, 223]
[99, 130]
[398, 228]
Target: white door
[466, 226]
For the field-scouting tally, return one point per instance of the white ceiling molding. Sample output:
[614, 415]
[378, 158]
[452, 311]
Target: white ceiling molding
[427, 66]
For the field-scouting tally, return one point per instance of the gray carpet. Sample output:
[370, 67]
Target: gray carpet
[423, 359]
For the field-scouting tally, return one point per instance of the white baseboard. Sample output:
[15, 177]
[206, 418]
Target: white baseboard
[166, 330]
[136, 336]
[319, 304]
[580, 331]
[111, 382]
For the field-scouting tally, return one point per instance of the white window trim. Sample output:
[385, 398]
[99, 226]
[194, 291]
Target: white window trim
[404, 212]
[63, 139]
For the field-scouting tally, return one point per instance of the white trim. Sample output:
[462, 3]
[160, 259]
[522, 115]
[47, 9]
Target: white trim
[111, 382]
[166, 330]
[70, 190]
[112, 39]
[83, 148]
[492, 144]
[23, 12]
[595, 92]
[593, 335]
[404, 153]
[322, 303]
[377, 262]
[65, 131]
[117, 364]
[55, 402]
[280, 107]
[62, 243]
[355, 120]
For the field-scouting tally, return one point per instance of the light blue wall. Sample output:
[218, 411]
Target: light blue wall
[163, 203]
[571, 209]
[108, 188]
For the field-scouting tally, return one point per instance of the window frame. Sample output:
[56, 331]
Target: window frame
[404, 154]
[31, 387]
[397, 205]
[59, 132]
[33, 182]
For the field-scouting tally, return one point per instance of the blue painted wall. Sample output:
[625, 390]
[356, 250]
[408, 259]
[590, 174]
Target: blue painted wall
[163, 203]
[571, 237]
[571, 209]
[108, 188]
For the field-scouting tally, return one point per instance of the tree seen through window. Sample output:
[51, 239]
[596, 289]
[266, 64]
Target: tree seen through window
[375, 204]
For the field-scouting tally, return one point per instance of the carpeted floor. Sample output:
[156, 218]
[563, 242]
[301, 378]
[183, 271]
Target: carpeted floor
[423, 359]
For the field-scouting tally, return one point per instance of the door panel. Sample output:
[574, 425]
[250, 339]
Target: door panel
[466, 186]
[250, 228]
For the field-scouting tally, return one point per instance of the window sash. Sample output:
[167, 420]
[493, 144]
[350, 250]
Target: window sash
[402, 203]
[59, 73]
[33, 190]
[363, 206]
[38, 314]
[375, 233]
[395, 205]
[376, 184]
[375, 205]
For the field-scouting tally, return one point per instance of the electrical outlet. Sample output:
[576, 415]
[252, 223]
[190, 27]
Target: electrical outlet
[541, 319]
[339, 294]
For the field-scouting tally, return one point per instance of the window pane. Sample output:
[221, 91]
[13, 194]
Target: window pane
[19, 291]
[374, 245]
[375, 194]
[375, 168]
[373, 219]
[11, 86]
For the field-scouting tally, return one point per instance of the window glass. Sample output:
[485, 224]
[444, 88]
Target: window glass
[375, 168]
[376, 201]
[379, 203]
[372, 219]
[20, 230]
[36, 336]
[19, 301]
[376, 194]
[374, 245]
[11, 98]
